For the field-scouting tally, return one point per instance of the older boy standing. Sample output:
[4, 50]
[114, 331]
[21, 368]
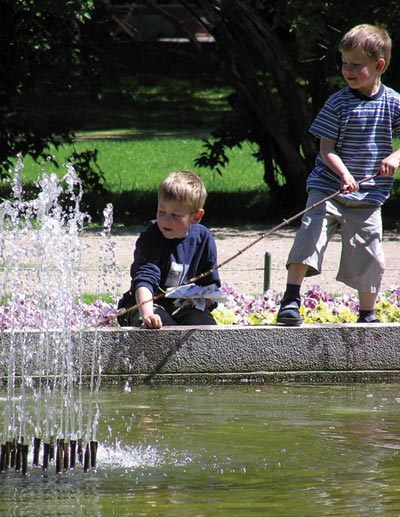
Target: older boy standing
[355, 128]
[173, 249]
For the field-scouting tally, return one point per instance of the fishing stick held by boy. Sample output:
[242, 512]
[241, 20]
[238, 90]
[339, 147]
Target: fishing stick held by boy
[125, 309]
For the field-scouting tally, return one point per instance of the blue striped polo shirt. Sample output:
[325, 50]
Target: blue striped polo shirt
[363, 128]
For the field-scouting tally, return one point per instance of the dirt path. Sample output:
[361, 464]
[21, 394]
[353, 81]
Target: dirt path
[107, 262]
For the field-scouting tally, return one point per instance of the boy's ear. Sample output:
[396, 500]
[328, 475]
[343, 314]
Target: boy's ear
[380, 64]
[198, 216]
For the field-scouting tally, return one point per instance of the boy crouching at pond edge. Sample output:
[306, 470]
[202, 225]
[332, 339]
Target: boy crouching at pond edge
[173, 249]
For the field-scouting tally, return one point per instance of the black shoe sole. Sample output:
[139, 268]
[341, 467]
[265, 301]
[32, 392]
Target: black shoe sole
[290, 322]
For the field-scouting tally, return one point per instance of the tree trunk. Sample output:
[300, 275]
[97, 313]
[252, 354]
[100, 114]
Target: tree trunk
[269, 96]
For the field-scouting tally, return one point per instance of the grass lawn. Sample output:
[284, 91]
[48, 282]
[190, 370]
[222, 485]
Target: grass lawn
[140, 164]
[134, 167]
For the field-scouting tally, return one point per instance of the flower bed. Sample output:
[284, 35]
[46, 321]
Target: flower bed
[318, 306]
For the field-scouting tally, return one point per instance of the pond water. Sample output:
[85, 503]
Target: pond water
[255, 450]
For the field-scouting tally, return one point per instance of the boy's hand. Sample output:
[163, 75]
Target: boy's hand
[389, 165]
[153, 321]
[144, 297]
[348, 184]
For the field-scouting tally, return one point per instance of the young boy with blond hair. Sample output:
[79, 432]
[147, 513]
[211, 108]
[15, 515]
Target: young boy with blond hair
[355, 128]
[173, 249]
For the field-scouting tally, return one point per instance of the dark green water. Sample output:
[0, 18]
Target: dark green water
[284, 450]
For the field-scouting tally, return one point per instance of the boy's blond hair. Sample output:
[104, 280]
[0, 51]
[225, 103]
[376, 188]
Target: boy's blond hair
[373, 40]
[185, 187]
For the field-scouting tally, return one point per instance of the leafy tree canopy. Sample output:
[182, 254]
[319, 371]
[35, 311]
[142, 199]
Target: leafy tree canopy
[41, 41]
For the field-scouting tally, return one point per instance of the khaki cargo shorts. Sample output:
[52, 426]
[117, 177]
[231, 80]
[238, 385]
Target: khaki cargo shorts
[362, 262]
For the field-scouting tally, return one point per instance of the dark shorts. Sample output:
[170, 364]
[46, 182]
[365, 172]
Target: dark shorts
[185, 316]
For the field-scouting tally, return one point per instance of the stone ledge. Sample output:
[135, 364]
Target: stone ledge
[323, 353]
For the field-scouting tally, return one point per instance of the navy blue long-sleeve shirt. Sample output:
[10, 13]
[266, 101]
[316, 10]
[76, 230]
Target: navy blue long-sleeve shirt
[161, 262]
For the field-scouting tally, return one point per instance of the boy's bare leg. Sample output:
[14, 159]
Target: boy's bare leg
[367, 307]
[367, 301]
[296, 273]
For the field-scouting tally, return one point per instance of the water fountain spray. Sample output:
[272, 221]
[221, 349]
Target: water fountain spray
[40, 280]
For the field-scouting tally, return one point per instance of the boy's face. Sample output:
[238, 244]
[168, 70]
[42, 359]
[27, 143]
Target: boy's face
[361, 72]
[174, 219]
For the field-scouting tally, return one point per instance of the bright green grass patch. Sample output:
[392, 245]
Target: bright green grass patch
[141, 164]
[91, 298]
